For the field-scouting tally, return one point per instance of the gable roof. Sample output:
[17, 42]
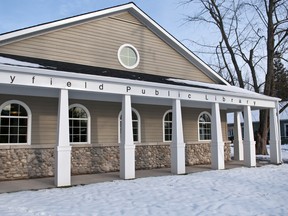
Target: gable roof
[133, 10]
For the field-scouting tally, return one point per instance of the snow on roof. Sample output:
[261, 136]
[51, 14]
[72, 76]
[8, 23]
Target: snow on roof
[227, 88]
[9, 61]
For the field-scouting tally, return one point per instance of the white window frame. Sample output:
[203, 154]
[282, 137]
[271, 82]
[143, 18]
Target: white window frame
[198, 122]
[137, 56]
[29, 120]
[139, 126]
[163, 125]
[88, 123]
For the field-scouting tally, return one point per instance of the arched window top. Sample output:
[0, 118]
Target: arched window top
[79, 124]
[167, 115]
[78, 111]
[135, 115]
[136, 123]
[15, 108]
[15, 126]
[205, 117]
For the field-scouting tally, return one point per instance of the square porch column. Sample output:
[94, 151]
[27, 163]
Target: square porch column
[217, 144]
[238, 142]
[177, 145]
[127, 147]
[275, 139]
[249, 143]
[63, 148]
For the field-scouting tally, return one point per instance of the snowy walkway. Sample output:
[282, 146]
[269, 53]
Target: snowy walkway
[46, 183]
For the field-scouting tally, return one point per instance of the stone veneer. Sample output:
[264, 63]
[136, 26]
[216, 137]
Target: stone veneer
[22, 162]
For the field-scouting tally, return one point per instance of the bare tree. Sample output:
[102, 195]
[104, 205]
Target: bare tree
[252, 31]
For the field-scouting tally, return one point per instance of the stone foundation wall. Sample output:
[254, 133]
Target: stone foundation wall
[24, 163]
[152, 156]
[90, 160]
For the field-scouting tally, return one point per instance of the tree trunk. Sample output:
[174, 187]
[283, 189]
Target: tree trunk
[262, 133]
[269, 84]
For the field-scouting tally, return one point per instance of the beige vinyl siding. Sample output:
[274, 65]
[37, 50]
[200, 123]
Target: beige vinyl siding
[96, 43]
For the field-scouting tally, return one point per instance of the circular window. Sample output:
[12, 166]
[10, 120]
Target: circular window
[128, 56]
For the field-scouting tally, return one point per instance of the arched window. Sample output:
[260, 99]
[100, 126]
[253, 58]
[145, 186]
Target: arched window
[204, 125]
[167, 126]
[136, 122]
[79, 124]
[15, 123]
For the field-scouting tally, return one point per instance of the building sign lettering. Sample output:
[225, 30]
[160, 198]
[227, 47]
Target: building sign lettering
[118, 88]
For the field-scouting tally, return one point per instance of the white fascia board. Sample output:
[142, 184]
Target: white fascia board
[73, 75]
[52, 25]
[178, 46]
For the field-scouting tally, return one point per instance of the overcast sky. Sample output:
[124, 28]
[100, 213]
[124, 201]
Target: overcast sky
[170, 14]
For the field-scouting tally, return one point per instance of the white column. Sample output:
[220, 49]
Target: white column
[249, 143]
[63, 148]
[275, 140]
[238, 142]
[177, 145]
[217, 144]
[127, 147]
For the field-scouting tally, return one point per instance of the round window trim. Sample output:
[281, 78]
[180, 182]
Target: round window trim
[134, 50]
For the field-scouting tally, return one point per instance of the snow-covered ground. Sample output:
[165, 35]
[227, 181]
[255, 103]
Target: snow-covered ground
[240, 191]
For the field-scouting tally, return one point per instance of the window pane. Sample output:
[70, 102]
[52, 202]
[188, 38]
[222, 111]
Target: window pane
[135, 138]
[14, 130]
[13, 139]
[14, 121]
[22, 139]
[14, 110]
[76, 131]
[83, 114]
[23, 121]
[23, 111]
[76, 123]
[3, 138]
[4, 121]
[76, 138]
[4, 130]
[22, 130]
[83, 123]
[6, 111]
[83, 138]
[83, 131]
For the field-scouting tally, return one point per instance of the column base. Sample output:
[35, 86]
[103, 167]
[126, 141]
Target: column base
[63, 166]
[249, 153]
[178, 159]
[217, 156]
[127, 162]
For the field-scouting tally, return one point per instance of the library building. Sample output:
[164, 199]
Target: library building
[112, 91]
